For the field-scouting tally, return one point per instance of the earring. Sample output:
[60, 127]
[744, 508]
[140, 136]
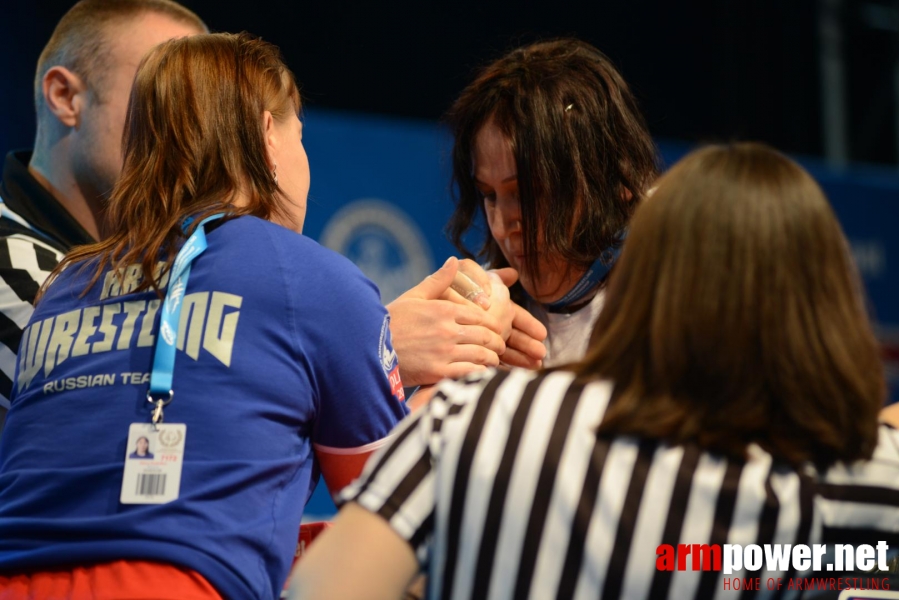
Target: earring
[275, 174]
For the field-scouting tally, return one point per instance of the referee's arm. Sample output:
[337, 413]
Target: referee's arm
[384, 564]
[25, 262]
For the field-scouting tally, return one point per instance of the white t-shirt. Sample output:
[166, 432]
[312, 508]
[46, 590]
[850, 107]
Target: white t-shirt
[568, 333]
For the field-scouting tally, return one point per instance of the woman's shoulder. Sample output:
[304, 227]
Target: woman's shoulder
[249, 232]
[301, 262]
[544, 392]
[862, 496]
[879, 471]
[66, 290]
[515, 382]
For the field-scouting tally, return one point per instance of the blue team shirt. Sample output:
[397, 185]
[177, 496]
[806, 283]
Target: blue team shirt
[282, 344]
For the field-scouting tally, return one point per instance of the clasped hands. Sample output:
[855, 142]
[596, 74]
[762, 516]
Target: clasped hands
[437, 333]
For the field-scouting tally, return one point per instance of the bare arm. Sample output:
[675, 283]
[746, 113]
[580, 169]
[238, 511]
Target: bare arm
[421, 397]
[359, 557]
[435, 337]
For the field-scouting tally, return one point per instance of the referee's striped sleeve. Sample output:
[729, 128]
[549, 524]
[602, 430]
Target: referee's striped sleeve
[852, 497]
[398, 482]
[25, 263]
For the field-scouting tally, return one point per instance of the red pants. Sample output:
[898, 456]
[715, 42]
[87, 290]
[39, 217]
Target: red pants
[119, 580]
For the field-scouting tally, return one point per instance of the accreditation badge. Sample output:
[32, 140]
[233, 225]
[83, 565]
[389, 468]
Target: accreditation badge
[154, 456]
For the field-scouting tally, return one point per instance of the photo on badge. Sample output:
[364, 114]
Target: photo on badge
[142, 447]
[153, 459]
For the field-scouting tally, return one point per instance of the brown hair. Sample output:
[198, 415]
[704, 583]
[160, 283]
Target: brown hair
[193, 139]
[735, 316]
[581, 148]
[80, 41]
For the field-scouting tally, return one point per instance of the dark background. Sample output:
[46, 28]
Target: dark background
[709, 70]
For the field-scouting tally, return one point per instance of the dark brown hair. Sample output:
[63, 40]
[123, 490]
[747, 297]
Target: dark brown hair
[193, 139]
[581, 148]
[735, 316]
[80, 41]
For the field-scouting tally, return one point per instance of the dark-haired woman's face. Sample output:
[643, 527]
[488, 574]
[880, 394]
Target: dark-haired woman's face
[142, 446]
[496, 176]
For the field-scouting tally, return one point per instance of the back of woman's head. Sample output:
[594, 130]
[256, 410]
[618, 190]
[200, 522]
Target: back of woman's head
[581, 147]
[194, 140]
[194, 134]
[735, 315]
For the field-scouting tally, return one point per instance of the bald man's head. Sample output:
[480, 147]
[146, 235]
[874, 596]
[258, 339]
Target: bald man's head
[82, 85]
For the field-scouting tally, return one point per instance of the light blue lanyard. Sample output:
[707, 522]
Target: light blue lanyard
[161, 392]
[594, 275]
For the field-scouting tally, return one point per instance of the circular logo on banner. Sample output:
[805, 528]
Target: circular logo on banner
[383, 241]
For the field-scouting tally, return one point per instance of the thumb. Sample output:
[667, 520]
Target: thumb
[508, 275]
[434, 285]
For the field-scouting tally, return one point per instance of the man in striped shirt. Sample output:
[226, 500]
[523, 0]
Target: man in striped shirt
[53, 197]
[724, 426]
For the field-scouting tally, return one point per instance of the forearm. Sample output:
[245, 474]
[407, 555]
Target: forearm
[359, 557]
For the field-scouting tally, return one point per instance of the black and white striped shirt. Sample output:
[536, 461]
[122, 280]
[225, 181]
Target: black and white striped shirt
[26, 259]
[35, 232]
[504, 490]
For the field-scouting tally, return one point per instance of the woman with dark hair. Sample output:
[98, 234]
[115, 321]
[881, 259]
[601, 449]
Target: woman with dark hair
[729, 396]
[252, 357]
[141, 449]
[552, 151]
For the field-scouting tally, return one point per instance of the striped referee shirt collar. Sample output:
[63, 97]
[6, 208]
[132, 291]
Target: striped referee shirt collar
[22, 193]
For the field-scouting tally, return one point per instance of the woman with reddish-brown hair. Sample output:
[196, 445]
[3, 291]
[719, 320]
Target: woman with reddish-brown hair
[249, 358]
[726, 410]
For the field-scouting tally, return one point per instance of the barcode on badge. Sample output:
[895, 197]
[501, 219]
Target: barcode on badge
[150, 484]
